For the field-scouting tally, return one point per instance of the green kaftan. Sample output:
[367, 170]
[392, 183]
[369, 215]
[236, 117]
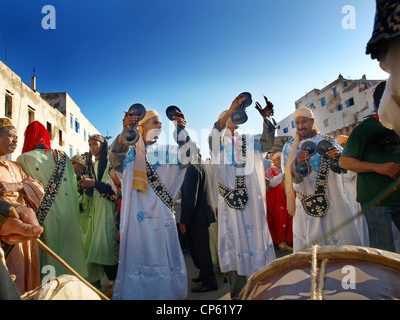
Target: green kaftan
[95, 271]
[101, 240]
[62, 232]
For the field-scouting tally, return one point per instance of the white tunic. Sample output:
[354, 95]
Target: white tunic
[244, 241]
[350, 190]
[308, 229]
[151, 265]
[389, 109]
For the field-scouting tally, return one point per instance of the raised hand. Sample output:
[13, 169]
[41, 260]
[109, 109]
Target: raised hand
[267, 111]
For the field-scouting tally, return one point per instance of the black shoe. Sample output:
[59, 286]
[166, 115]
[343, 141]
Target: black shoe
[204, 288]
[198, 279]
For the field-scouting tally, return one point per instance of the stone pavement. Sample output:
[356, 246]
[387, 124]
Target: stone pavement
[192, 272]
[223, 288]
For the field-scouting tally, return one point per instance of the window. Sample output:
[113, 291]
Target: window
[77, 126]
[31, 114]
[60, 140]
[326, 123]
[339, 107]
[71, 151]
[323, 102]
[84, 134]
[349, 102]
[297, 106]
[335, 92]
[48, 126]
[293, 125]
[71, 121]
[312, 106]
[279, 126]
[345, 84]
[286, 130]
[8, 106]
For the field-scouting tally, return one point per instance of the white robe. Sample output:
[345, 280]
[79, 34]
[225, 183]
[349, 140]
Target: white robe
[308, 229]
[350, 190]
[389, 109]
[244, 241]
[151, 263]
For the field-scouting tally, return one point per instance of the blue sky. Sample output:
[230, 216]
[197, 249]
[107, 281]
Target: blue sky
[195, 54]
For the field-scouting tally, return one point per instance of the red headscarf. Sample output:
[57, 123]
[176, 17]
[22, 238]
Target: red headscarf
[36, 134]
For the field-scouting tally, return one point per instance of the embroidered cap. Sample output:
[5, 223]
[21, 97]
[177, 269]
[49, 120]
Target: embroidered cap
[149, 114]
[79, 158]
[6, 122]
[97, 137]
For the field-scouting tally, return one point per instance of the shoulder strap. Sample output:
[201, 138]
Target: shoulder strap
[322, 178]
[158, 187]
[238, 197]
[52, 187]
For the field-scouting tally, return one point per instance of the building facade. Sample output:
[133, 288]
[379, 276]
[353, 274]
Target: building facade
[78, 128]
[69, 128]
[337, 108]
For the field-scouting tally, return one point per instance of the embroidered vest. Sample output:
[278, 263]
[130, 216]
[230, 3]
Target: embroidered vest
[317, 204]
[238, 197]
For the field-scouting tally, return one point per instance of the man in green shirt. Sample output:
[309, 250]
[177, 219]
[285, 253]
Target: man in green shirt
[373, 151]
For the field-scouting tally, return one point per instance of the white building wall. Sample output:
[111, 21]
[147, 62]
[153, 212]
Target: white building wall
[285, 127]
[330, 118]
[28, 105]
[78, 127]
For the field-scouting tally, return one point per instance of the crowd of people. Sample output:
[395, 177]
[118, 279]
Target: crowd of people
[129, 211]
[111, 211]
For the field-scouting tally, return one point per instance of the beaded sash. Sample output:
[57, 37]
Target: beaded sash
[317, 204]
[237, 198]
[52, 187]
[158, 187]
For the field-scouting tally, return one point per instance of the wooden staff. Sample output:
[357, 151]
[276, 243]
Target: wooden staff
[393, 187]
[14, 214]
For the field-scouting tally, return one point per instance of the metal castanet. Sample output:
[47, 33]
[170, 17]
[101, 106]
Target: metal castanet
[130, 135]
[240, 116]
[180, 134]
[322, 148]
[304, 168]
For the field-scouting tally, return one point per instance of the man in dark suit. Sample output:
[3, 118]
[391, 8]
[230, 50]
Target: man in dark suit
[197, 213]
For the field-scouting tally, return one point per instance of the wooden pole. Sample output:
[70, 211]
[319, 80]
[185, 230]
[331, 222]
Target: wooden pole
[40, 243]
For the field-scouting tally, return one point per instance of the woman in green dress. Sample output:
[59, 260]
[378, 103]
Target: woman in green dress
[80, 164]
[100, 241]
[59, 209]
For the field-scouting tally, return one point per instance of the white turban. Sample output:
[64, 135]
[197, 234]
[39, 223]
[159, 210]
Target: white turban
[290, 194]
[304, 112]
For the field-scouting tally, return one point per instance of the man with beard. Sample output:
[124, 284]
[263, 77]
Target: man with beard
[315, 198]
[151, 265]
[19, 189]
[244, 241]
